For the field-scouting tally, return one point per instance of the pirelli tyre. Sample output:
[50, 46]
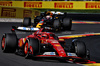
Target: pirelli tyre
[26, 22]
[56, 25]
[9, 42]
[67, 23]
[31, 47]
[80, 48]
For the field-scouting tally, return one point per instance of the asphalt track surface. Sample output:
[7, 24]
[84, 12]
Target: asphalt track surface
[92, 43]
[84, 16]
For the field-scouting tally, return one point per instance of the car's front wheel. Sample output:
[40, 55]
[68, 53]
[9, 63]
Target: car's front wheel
[31, 47]
[9, 42]
[79, 48]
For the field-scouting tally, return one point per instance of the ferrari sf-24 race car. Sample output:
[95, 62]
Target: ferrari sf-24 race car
[41, 44]
[55, 20]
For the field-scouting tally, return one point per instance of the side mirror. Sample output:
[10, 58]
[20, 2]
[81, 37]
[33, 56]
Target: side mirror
[13, 30]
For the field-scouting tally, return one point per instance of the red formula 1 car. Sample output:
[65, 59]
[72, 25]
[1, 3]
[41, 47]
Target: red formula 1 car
[45, 45]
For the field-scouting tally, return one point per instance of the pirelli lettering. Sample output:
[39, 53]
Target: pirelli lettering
[93, 5]
[8, 12]
[27, 13]
[33, 4]
[5, 3]
[63, 5]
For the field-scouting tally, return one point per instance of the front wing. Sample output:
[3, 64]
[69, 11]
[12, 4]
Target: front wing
[69, 58]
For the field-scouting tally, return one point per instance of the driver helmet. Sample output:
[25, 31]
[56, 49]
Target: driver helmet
[48, 17]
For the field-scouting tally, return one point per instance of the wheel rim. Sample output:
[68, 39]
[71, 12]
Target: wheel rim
[26, 48]
[3, 43]
[31, 50]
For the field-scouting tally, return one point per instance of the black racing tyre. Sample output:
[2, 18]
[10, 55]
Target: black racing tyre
[80, 48]
[31, 47]
[67, 24]
[9, 42]
[56, 24]
[27, 21]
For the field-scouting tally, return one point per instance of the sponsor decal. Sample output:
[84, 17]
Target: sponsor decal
[32, 28]
[54, 41]
[33, 4]
[63, 5]
[71, 54]
[49, 53]
[52, 53]
[8, 12]
[27, 13]
[93, 5]
[24, 28]
[5, 3]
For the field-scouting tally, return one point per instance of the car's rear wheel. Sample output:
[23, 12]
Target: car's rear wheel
[80, 48]
[9, 42]
[56, 25]
[31, 47]
[27, 21]
[67, 24]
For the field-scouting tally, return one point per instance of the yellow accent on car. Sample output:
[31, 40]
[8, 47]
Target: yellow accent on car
[61, 39]
[56, 17]
[57, 45]
[70, 59]
[38, 25]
